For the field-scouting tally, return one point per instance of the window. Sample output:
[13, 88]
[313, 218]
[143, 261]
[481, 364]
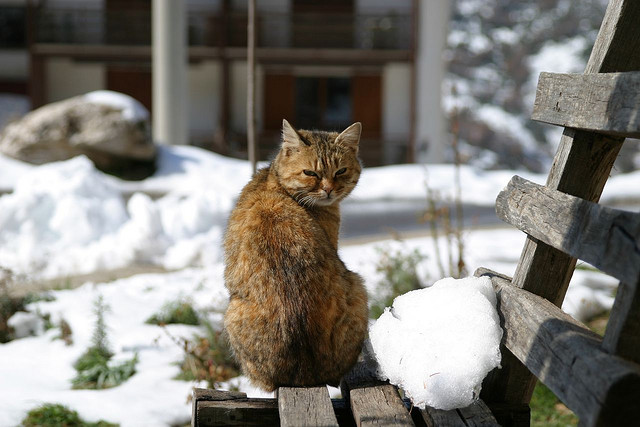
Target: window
[323, 102]
[13, 27]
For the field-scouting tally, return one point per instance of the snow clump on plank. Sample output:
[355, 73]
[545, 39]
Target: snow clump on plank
[439, 343]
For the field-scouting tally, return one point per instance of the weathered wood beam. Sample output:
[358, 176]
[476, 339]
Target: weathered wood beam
[607, 238]
[622, 336]
[373, 402]
[379, 405]
[305, 406]
[475, 415]
[617, 47]
[604, 103]
[602, 389]
[215, 407]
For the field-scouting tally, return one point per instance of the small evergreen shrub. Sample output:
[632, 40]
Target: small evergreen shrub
[56, 415]
[175, 312]
[104, 375]
[94, 370]
[399, 276]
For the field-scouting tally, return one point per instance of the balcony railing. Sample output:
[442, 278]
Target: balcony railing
[275, 30]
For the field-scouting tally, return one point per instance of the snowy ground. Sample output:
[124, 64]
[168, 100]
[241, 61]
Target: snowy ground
[67, 218]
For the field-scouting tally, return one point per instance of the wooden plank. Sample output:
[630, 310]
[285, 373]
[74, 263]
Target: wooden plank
[622, 336]
[373, 402]
[602, 389]
[581, 167]
[441, 418]
[305, 406]
[607, 238]
[249, 412]
[253, 412]
[210, 395]
[475, 415]
[605, 103]
[380, 406]
[478, 414]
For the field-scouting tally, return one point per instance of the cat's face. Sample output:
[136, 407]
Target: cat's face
[319, 168]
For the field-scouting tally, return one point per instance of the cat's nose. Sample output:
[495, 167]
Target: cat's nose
[328, 189]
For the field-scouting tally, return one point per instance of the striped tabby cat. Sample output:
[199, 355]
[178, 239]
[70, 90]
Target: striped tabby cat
[297, 316]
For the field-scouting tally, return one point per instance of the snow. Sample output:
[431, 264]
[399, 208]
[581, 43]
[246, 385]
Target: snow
[67, 218]
[108, 232]
[439, 343]
[132, 110]
[555, 57]
[39, 369]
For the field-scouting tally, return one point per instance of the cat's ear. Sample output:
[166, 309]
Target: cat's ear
[351, 136]
[291, 138]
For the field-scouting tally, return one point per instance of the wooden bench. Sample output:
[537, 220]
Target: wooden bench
[597, 378]
[367, 401]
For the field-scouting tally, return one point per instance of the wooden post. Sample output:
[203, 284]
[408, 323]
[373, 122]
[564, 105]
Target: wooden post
[251, 85]
[37, 68]
[221, 136]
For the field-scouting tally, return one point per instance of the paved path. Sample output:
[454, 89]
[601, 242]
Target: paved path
[376, 220]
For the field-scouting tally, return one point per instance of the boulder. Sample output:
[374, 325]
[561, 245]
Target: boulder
[110, 128]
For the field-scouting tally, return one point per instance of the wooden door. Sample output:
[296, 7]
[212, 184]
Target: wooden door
[133, 81]
[278, 101]
[367, 103]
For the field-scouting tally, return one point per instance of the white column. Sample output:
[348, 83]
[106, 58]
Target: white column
[169, 29]
[431, 132]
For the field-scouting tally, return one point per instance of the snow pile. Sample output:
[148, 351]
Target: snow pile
[132, 110]
[68, 218]
[439, 343]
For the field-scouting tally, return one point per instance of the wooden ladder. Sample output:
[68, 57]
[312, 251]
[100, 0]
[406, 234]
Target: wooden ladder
[598, 378]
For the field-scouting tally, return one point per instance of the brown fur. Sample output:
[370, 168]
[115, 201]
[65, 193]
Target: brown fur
[296, 316]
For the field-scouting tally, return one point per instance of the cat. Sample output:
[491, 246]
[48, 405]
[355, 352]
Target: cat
[296, 316]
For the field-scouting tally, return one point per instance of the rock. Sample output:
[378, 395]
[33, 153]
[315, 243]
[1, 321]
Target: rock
[110, 128]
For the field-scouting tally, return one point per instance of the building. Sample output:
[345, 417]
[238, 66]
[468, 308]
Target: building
[321, 64]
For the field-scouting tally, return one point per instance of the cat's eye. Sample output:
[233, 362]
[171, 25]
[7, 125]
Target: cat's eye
[310, 173]
[341, 171]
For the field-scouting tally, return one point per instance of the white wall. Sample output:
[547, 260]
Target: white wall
[238, 95]
[238, 98]
[204, 98]
[15, 64]
[396, 101]
[65, 78]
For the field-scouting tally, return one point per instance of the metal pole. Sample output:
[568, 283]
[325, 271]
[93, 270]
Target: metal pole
[251, 85]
